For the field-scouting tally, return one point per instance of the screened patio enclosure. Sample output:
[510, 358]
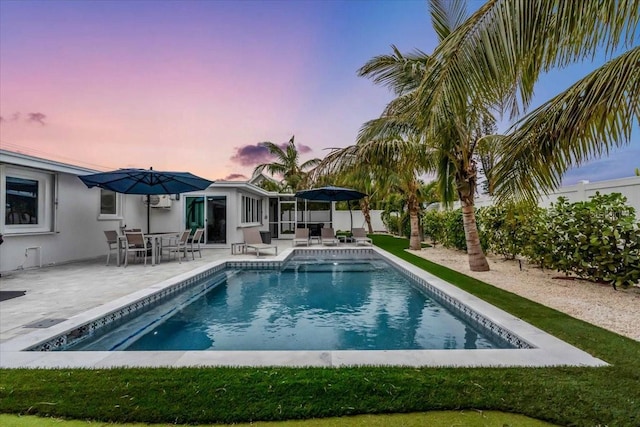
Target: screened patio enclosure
[286, 213]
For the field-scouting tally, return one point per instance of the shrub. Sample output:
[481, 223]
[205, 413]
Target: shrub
[454, 230]
[508, 229]
[433, 226]
[597, 240]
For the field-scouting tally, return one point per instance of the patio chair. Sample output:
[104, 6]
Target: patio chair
[177, 245]
[194, 242]
[360, 236]
[328, 236]
[301, 237]
[136, 243]
[112, 242]
[253, 240]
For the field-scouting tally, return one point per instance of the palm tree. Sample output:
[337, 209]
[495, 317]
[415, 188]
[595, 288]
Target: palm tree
[286, 165]
[498, 54]
[377, 160]
[451, 141]
[494, 58]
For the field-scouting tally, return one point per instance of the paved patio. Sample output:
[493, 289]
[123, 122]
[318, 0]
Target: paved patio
[62, 291]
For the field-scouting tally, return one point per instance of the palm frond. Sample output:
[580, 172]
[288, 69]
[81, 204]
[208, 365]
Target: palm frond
[584, 122]
[400, 73]
[447, 15]
[500, 51]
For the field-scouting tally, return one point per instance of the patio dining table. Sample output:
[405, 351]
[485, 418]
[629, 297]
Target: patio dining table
[155, 239]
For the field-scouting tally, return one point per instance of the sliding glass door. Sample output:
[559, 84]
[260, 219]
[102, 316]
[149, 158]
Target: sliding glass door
[210, 215]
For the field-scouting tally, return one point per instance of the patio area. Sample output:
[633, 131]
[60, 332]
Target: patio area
[58, 292]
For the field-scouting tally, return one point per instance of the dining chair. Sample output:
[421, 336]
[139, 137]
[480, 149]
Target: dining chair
[112, 242]
[136, 243]
[178, 245]
[194, 242]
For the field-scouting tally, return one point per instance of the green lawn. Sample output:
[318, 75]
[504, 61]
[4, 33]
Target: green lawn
[564, 396]
[441, 418]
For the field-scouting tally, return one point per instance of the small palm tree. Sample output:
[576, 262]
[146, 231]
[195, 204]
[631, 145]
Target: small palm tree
[287, 165]
[378, 161]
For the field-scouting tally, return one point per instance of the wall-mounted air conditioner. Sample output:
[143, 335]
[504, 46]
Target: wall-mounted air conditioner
[158, 201]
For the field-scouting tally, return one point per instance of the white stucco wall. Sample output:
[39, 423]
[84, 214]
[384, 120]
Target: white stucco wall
[77, 234]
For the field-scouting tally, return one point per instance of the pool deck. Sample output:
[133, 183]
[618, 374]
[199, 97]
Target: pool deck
[73, 292]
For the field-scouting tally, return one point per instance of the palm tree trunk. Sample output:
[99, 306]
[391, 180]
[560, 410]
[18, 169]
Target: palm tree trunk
[413, 207]
[477, 260]
[466, 182]
[364, 206]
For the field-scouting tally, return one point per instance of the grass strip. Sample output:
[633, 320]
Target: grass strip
[566, 396]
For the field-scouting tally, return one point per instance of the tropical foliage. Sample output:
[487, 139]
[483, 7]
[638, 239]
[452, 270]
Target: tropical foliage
[450, 144]
[492, 61]
[597, 240]
[377, 160]
[498, 54]
[287, 165]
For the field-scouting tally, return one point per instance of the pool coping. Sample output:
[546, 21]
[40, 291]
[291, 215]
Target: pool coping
[545, 349]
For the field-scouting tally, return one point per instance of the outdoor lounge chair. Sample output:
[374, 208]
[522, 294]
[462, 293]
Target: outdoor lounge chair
[360, 236]
[253, 240]
[328, 236]
[301, 237]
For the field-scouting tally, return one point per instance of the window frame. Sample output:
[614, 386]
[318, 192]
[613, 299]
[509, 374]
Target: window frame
[45, 200]
[250, 210]
[117, 215]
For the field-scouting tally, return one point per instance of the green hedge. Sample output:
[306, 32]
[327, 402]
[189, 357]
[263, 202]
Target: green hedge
[598, 240]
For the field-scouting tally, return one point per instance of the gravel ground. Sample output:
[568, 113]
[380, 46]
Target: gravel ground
[617, 311]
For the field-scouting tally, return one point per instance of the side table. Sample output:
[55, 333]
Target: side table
[238, 248]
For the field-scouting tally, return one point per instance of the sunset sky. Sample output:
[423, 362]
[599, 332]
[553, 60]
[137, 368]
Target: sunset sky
[196, 85]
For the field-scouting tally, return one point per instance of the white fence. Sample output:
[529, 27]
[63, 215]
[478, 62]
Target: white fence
[342, 220]
[628, 187]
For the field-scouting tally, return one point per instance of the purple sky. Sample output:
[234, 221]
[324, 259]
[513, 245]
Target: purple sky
[198, 85]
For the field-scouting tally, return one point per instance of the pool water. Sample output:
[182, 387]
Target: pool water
[306, 305]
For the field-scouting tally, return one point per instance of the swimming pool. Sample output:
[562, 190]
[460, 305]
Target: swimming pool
[534, 347]
[309, 303]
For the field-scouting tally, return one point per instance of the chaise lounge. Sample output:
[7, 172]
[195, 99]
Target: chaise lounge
[301, 237]
[328, 236]
[360, 236]
[253, 240]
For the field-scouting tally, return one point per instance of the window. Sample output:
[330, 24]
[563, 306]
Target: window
[110, 205]
[251, 210]
[27, 205]
[22, 201]
[107, 202]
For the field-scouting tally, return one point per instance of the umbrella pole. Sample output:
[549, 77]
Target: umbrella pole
[350, 213]
[148, 213]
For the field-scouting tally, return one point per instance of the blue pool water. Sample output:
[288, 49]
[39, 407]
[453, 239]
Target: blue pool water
[306, 305]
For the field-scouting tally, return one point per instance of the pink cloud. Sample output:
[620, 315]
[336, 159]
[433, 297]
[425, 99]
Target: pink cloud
[252, 155]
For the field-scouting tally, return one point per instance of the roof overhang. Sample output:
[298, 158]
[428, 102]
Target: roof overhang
[24, 160]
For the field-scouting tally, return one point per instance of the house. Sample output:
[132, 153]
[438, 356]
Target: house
[51, 217]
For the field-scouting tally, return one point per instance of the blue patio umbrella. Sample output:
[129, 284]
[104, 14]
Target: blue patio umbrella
[332, 194]
[146, 182]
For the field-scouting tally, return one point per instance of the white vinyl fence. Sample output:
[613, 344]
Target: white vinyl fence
[628, 187]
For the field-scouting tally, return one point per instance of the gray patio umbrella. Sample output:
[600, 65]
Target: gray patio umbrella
[332, 194]
[146, 182]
